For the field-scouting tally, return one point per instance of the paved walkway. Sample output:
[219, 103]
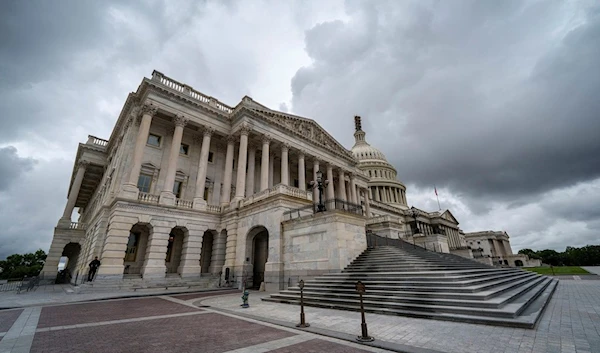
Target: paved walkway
[592, 269]
[571, 323]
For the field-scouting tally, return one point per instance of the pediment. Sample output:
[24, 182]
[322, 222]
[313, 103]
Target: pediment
[447, 215]
[307, 128]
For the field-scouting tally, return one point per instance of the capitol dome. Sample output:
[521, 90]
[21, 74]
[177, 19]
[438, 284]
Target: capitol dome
[383, 183]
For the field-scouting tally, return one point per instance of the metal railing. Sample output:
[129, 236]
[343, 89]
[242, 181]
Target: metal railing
[19, 284]
[329, 205]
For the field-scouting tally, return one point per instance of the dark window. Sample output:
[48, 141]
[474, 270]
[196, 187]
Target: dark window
[154, 140]
[206, 194]
[144, 182]
[210, 157]
[296, 184]
[177, 189]
[184, 149]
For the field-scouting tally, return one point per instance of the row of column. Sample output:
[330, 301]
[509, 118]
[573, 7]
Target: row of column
[388, 194]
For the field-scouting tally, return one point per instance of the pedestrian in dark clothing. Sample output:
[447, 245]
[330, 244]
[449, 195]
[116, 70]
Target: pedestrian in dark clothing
[93, 268]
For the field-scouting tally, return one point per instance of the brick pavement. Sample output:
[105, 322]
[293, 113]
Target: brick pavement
[318, 346]
[203, 295]
[8, 318]
[82, 313]
[571, 323]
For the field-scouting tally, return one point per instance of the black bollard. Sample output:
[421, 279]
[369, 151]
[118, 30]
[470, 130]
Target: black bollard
[303, 322]
[360, 288]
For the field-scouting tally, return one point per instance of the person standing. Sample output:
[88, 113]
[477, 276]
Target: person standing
[93, 268]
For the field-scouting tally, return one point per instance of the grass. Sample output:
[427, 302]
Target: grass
[558, 270]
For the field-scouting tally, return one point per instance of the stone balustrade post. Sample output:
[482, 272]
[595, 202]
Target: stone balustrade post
[199, 201]
[226, 187]
[166, 196]
[264, 163]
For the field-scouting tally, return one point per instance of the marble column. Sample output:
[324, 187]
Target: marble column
[240, 186]
[285, 175]
[226, 187]
[166, 196]
[377, 198]
[315, 189]
[353, 189]
[330, 191]
[199, 200]
[73, 193]
[341, 184]
[367, 205]
[264, 163]
[130, 189]
[251, 168]
[156, 249]
[271, 169]
[301, 172]
[189, 265]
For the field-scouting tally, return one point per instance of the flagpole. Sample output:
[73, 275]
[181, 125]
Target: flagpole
[437, 197]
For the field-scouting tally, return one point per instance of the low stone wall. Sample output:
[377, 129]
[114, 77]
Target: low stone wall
[467, 253]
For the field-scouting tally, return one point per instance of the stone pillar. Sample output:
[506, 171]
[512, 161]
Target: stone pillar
[330, 191]
[115, 245]
[199, 200]
[376, 191]
[353, 189]
[285, 174]
[348, 192]
[315, 189]
[66, 217]
[341, 185]
[231, 244]
[190, 253]
[264, 163]
[367, 205]
[301, 171]
[226, 187]
[240, 185]
[130, 189]
[55, 252]
[271, 169]
[251, 168]
[156, 250]
[166, 196]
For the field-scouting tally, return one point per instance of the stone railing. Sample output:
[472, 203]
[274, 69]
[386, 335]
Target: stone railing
[384, 218]
[276, 190]
[78, 225]
[183, 203]
[189, 91]
[147, 198]
[213, 208]
[93, 140]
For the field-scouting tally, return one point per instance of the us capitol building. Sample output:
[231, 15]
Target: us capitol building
[187, 186]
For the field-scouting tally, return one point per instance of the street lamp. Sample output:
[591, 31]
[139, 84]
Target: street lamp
[319, 185]
[414, 212]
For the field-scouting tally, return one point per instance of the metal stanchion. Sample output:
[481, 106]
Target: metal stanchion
[360, 288]
[303, 322]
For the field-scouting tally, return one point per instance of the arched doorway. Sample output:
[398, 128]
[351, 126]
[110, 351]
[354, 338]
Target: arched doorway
[71, 252]
[518, 263]
[257, 245]
[206, 253]
[135, 253]
[174, 247]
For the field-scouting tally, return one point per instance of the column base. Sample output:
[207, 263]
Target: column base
[129, 191]
[199, 203]
[64, 223]
[166, 198]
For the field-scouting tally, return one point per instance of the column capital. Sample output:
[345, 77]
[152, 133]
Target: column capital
[208, 131]
[301, 154]
[285, 147]
[266, 139]
[245, 128]
[231, 139]
[83, 164]
[180, 120]
[149, 109]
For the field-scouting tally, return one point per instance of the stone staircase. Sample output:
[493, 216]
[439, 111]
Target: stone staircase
[411, 281]
[136, 283]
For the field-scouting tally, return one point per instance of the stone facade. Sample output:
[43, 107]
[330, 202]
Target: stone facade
[187, 186]
[493, 247]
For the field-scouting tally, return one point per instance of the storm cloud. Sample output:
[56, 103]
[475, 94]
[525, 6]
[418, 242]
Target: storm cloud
[494, 102]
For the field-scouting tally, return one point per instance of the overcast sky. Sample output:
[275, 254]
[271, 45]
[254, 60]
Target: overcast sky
[494, 102]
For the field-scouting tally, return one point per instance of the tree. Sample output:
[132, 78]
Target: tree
[19, 266]
[532, 254]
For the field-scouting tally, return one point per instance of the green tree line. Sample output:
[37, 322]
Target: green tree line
[21, 265]
[585, 256]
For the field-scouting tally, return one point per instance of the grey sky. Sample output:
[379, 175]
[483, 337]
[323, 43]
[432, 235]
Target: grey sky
[494, 102]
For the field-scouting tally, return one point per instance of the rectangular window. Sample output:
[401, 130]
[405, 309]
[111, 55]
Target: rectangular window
[184, 149]
[177, 189]
[210, 157]
[153, 140]
[206, 194]
[144, 182]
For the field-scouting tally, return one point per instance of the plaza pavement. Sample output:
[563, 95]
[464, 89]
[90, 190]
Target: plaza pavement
[214, 322]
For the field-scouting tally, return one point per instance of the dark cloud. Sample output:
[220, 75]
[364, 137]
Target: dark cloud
[12, 167]
[460, 95]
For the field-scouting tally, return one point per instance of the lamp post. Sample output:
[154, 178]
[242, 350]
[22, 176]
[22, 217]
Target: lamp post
[414, 212]
[319, 183]
[303, 322]
[364, 337]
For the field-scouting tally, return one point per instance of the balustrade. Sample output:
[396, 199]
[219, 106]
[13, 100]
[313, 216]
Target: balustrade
[183, 203]
[147, 198]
